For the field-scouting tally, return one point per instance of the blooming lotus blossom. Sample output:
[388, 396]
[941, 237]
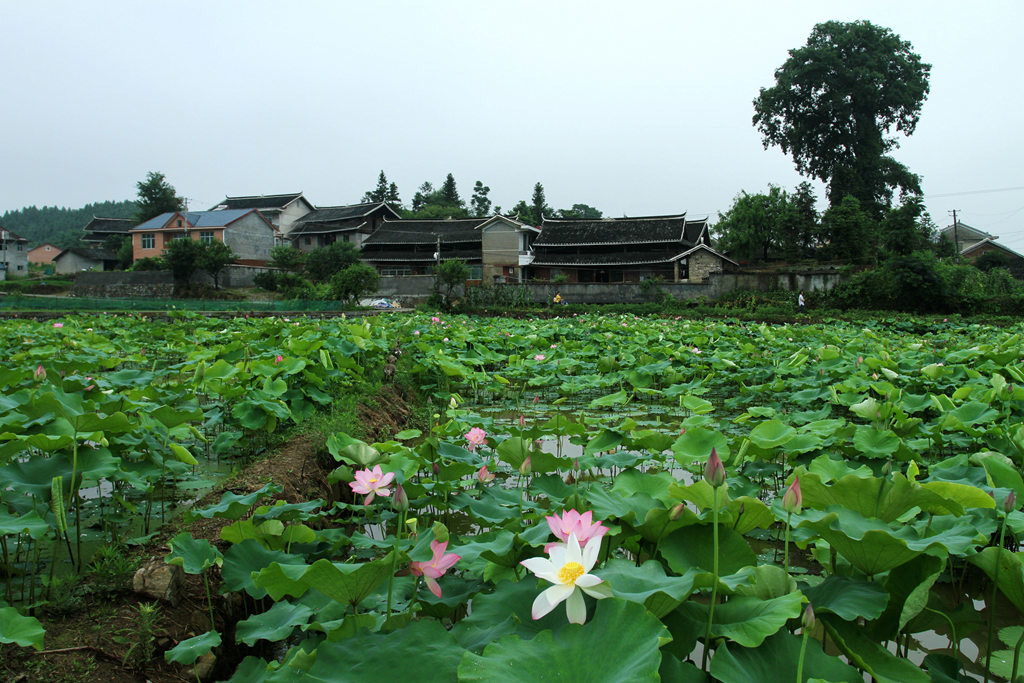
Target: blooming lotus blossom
[434, 319]
[572, 523]
[793, 499]
[539, 357]
[434, 568]
[415, 333]
[476, 437]
[446, 338]
[58, 325]
[372, 483]
[484, 476]
[567, 567]
[278, 359]
[696, 350]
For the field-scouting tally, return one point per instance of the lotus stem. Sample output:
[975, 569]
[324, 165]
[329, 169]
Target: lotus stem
[394, 564]
[1016, 658]
[209, 600]
[992, 602]
[800, 661]
[714, 586]
[788, 516]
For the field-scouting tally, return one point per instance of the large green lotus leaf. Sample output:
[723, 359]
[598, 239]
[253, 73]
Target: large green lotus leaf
[251, 670]
[1001, 472]
[1011, 572]
[848, 598]
[675, 671]
[514, 450]
[648, 584]
[345, 448]
[869, 408]
[777, 659]
[877, 497]
[871, 656]
[277, 623]
[241, 560]
[494, 543]
[20, 630]
[823, 428]
[424, 649]
[969, 414]
[172, 416]
[620, 643]
[349, 583]
[606, 440]
[508, 599]
[771, 434]
[609, 505]
[832, 469]
[964, 495]
[696, 444]
[803, 443]
[188, 651]
[494, 505]
[692, 547]
[767, 582]
[875, 443]
[742, 514]
[747, 620]
[909, 587]
[653, 485]
[31, 523]
[193, 555]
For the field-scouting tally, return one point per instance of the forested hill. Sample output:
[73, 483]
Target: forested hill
[60, 226]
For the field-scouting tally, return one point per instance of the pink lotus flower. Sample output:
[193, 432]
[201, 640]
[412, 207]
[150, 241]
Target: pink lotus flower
[539, 357]
[434, 319]
[554, 346]
[278, 359]
[58, 325]
[372, 483]
[793, 499]
[572, 522]
[714, 470]
[476, 437]
[484, 476]
[696, 350]
[446, 338]
[435, 567]
[415, 333]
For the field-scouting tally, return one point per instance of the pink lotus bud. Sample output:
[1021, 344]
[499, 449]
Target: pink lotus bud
[522, 421]
[526, 467]
[484, 476]
[400, 501]
[1010, 502]
[536, 400]
[435, 469]
[808, 621]
[40, 372]
[714, 470]
[278, 359]
[793, 499]
[677, 511]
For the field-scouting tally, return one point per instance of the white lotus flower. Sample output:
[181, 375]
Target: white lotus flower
[567, 568]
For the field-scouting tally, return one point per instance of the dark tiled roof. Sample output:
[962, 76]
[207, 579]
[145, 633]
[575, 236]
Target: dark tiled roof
[13, 236]
[94, 254]
[426, 232]
[339, 213]
[388, 256]
[694, 229]
[627, 258]
[610, 231]
[110, 225]
[267, 201]
[321, 227]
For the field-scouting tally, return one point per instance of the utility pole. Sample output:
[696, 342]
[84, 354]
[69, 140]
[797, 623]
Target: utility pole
[956, 240]
[437, 251]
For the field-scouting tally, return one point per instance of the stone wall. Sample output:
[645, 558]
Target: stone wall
[124, 284]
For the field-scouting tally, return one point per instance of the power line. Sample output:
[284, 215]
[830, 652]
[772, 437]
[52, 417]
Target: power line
[959, 194]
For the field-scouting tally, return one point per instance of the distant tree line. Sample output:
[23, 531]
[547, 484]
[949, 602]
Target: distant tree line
[445, 202]
[61, 226]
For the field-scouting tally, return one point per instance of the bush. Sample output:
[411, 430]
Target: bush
[266, 280]
[351, 283]
[149, 263]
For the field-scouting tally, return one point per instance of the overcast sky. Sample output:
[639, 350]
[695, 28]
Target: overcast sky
[635, 108]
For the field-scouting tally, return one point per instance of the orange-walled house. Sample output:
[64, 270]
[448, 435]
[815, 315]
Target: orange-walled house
[247, 231]
[44, 253]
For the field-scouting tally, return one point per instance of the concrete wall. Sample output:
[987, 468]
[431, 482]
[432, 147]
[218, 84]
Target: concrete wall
[71, 263]
[250, 237]
[122, 284]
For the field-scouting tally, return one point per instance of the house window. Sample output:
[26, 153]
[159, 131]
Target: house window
[396, 271]
[179, 223]
[20, 247]
[21, 267]
[309, 241]
[206, 236]
[149, 241]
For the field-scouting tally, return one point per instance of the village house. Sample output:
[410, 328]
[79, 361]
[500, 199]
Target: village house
[414, 246]
[249, 234]
[44, 253]
[13, 254]
[78, 259]
[99, 230]
[352, 223]
[973, 244]
[506, 249]
[282, 210]
[626, 250]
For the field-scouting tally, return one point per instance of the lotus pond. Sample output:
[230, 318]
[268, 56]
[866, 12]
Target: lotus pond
[596, 498]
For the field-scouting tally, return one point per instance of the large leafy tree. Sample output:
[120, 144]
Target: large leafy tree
[156, 196]
[849, 232]
[773, 225]
[836, 105]
[352, 282]
[182, 257]
[321, 264]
